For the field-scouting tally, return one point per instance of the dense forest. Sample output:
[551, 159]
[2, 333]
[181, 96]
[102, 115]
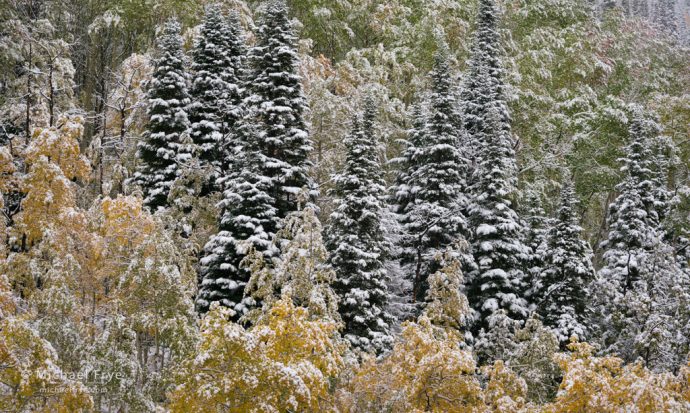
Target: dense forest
[345, 206]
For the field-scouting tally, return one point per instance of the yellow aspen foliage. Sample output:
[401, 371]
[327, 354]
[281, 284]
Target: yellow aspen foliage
[587, 380]
[283, 364]
[426, 372]
[7, 170]
[684, 382]
[54, 160]
[74, 239]
[125, 224]
[604, 384]
[8, 183]
[448, 307]
[7, 305]
[506, 391]
[639, 389]
[29, 377]
[60, 145]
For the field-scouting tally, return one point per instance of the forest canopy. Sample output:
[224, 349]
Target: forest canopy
[345, 206]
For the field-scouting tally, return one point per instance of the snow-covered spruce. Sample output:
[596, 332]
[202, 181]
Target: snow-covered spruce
[168, 99]
[496, 341]
[402, 191]
[563, 298]
[214, 91]
[235, 77]
[634, 218]
[278, 104]
[400, 198]
[498, 233]
[537, 225]
[355, 240]
[247, 220]
[499, 251]
[483, 87]
[642, 291]
[431, 191]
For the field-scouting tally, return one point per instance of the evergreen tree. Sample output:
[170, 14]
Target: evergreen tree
[537, 227]
[168, 99]
[634, 217]
[498, 244]
[234, 76]
[565, 280]
[496, 341]
[247, 221]
[275, 94]
[629, 235]
[402, 192]
[499, 282]
[356, 241]
[483, 89]
[434, 218]
[401, 200]
[214, 88]
[646, 164]
[650, 319]
[642, 291]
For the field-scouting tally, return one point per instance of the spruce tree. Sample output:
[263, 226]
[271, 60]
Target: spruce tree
[498, 233]
[275, 94]
[434, 218]
[498, 246]
[210, 58]
[356, 241]
[402, 192]
[646, 165]
[247, 221]
[537, 226]
[401, 200]
[234, 77]
[483, 89]
[642, 291]
[567, 274]
[168, 99]
[634, 217]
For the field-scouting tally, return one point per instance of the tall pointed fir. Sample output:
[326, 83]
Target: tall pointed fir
[401, 200]
[168, 99]
[355, 240]
[276, 97]
[234, 76]
[499, 282]
[433, 219]
[247, 221]
[498, 246]
[567, 274]
[402, 191]
[537, 226]
[641, 292]
[483, 87]
[213, 84]
[634, 218]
